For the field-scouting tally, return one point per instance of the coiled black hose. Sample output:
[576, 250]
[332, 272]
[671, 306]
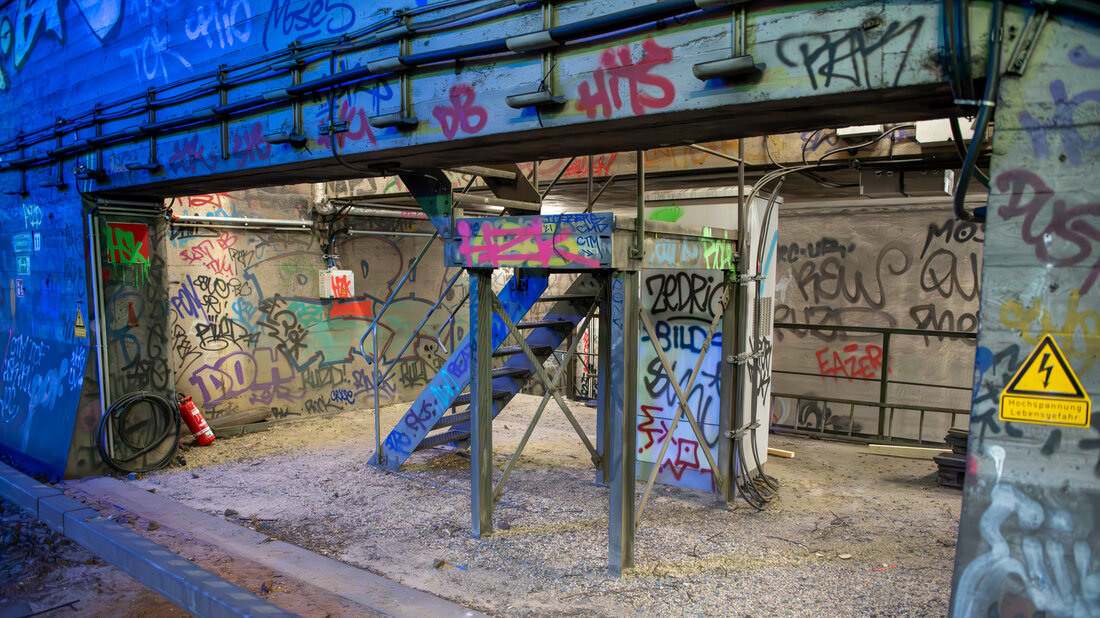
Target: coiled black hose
[123, 437]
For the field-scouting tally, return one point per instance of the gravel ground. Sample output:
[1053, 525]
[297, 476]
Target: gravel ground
[852, 534]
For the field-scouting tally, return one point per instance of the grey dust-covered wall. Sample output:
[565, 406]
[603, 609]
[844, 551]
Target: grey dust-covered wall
[906, 267]
[249, 330]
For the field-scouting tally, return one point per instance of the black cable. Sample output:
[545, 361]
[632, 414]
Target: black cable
[768, 151]
[749, 492]
[992, 83]
[807, 143]
[866, 144]
[120, 440]
[956, 133]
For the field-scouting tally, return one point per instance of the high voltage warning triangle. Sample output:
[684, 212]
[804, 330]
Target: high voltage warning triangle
[1045, 390]
[78, 328]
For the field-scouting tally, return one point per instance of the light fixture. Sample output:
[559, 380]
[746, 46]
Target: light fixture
[393, 64]
[87, 173]
[151, 166]
[297, 140]
[396, 119]
[537, 98]
[727, 68]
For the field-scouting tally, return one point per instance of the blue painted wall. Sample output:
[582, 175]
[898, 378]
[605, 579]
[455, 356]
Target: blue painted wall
[42, 256]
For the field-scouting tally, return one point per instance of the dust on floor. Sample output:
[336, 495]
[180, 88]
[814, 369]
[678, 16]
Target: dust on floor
[852, 534]
[42, 572]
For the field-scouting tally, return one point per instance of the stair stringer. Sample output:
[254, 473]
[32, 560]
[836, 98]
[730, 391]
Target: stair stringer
[517, 298]
[572, 311]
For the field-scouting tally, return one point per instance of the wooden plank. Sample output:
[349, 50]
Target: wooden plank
[918, 452]
[778, 452]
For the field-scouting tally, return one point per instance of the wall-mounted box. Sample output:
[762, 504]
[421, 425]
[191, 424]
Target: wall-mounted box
[337, 283]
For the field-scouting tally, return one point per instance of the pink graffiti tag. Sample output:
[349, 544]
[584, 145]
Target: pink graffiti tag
[249, 146]
[462, 109]
[187, 154]
[497, 243]
[214, 257]
[617, 66]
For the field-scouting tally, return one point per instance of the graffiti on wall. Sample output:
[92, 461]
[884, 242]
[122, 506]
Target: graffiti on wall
[582, 241]
[681, 305]
[1027, 539]
[248, 329]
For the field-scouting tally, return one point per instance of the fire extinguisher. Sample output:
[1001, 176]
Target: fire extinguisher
[195, 422]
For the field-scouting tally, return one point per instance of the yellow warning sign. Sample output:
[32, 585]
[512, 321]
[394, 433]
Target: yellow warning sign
[78, 327]
[1045, 390]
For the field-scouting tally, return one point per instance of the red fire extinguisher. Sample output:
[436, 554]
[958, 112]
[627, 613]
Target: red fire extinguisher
[195, 422]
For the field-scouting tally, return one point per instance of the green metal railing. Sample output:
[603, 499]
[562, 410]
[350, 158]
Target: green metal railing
[887, 409]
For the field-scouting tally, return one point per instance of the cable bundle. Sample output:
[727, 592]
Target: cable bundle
[123, 437]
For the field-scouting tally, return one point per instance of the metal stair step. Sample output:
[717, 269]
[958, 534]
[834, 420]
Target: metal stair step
[511, 350]
[545, 323]
[512, 372]
[453, 419]
[464, 398]
[552, 298]
[442, 438]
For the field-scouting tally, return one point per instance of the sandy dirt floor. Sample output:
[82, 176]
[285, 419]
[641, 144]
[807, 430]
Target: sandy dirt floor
[45, 574]
[852, 534]
[41, 571]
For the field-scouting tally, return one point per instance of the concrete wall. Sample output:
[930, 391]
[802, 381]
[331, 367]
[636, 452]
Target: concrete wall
[1029, 533]
[249, 331]
[900, 267]
[42, 271]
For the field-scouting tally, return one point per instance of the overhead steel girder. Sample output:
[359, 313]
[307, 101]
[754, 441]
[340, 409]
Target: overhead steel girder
[621, 89]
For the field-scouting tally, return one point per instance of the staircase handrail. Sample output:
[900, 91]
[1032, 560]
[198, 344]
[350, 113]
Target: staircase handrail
[393, 295]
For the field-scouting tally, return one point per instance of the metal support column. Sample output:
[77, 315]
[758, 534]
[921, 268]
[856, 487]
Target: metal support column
[603, 389]
[623, 417]
[481, 401]
[727, 467]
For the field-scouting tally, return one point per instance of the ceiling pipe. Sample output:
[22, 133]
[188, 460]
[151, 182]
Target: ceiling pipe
[193, 220]
[561, 34]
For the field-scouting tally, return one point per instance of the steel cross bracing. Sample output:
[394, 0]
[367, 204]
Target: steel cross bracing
[551, 390]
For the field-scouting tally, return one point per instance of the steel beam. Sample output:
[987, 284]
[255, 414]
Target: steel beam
[727, 385]
[481, 401]
[603, 389]
[623, 418]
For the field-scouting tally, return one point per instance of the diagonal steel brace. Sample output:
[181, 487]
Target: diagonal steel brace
[683, 406]
[499, 310]
[542, 404]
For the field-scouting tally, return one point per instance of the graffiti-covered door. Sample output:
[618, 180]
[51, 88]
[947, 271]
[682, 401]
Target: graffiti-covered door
[133, 305]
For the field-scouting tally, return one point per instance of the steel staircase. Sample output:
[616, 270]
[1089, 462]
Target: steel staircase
[433, 419]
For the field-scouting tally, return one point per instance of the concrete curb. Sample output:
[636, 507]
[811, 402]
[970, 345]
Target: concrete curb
[191, 587]
[354, 584]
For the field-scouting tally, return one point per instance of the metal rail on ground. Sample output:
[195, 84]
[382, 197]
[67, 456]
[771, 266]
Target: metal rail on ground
[191, 587]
